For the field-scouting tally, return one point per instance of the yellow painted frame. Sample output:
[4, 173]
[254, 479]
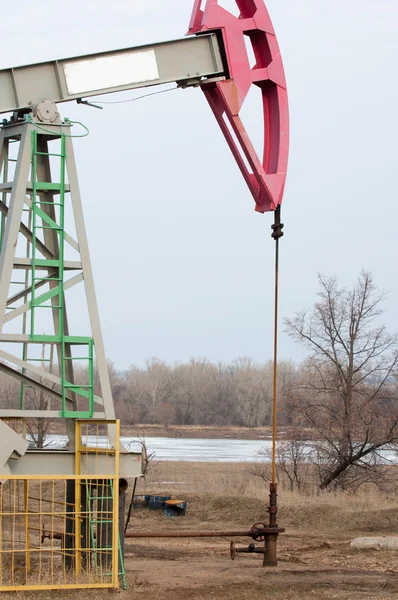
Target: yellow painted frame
[78, 477]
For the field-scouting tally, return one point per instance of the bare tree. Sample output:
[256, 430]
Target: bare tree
[155, 387]
[166, 414]
[196, 392]
[346, 387]
[294, 467]
[252, 389]
[39, 427]
[10, 391]
[130, 409]
[293, 462]
[199, 392]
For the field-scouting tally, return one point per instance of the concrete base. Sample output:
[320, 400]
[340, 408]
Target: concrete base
[375, 543]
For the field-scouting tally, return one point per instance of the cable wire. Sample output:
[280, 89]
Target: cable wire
[81, 135]
[138, 97]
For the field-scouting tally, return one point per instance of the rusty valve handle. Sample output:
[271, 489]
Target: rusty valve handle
[257, 535]
[255, 532]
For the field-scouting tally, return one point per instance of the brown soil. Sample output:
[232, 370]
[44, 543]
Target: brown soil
[315, 557]
[204, 570]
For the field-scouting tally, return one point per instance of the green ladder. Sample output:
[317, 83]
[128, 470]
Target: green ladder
[107, 501]
[41, 220]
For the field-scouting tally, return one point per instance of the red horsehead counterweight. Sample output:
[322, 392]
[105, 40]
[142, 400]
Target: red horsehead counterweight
[265, 178]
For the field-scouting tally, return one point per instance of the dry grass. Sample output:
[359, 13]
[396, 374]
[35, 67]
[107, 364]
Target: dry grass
[228, 491]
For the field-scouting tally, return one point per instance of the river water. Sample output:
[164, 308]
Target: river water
[205, 450]
[196, 449]
[199, 450]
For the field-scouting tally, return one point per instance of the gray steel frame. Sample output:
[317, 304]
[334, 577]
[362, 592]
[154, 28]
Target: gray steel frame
[19, 189]
[185, 61]
[188, 62]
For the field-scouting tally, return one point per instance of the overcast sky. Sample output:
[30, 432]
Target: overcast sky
[182, 263]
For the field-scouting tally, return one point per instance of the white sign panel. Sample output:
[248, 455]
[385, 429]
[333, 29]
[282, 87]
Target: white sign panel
[110, 71]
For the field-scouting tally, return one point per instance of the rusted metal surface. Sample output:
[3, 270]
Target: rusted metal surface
[270, 550]
[251, 549]
[257, 530]
[52, 535]
[256, 533]
[273, 505]
[277, 233]
[268, 535]
[271, 541]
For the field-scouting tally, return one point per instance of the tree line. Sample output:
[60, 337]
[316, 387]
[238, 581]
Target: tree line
[200, 392]
[197, 392]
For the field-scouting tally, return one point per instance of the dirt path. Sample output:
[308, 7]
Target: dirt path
[196, 569]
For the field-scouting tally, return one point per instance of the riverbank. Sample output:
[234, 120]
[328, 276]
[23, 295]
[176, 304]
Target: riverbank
[209, 432]
[202, 432]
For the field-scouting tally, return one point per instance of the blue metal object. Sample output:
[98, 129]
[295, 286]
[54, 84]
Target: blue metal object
[175, 508]
[157, 502]
[141, 501]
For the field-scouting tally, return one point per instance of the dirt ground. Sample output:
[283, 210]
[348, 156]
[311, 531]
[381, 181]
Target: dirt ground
[315, 557]
[199, 569]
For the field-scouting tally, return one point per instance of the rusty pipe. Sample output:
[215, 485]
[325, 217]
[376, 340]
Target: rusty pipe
[266, 531]
[249, 550]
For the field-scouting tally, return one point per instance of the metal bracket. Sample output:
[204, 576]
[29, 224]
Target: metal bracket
[87, 103]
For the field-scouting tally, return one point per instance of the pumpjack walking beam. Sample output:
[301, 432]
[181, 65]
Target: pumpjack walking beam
[187, 61]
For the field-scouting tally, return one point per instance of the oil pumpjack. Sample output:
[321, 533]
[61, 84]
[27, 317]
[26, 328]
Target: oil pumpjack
[44, 256]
